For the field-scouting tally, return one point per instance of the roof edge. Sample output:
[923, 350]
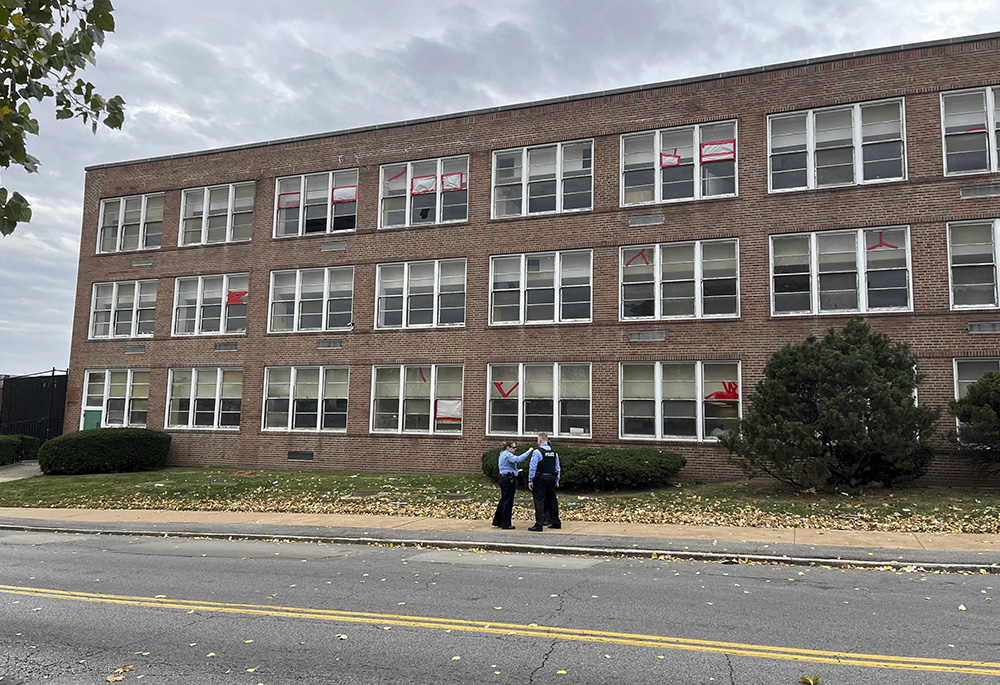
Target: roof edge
[564, 99]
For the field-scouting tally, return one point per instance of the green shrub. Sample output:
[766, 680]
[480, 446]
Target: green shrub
[104, 450]
[18, 448]
[978, 436]
[9, 448]
[601, 468]
[837, 412]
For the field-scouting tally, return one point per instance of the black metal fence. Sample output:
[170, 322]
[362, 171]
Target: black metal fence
[33, 404]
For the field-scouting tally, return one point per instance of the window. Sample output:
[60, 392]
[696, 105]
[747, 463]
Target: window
[861, 143]
[553, 178]
[316, 203]
[432, 191]
[205, 398]
[972, 253]
[420, 294]
[310, 398]
[688, 163]
[968, 371]
[969, 120]
[679, 400]
[547, 287]
[211, 305]
[312, 299]
[220, 214]
[525, 399]
[131, 223]
[680, 280]
[417, 399]
[115, 398]
[861, 270]
[124, 309]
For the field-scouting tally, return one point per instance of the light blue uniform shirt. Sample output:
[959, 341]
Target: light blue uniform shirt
[508, 462]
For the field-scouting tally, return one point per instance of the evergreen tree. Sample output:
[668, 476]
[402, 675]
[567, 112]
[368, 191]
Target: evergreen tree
[978, 436]
[837, 412]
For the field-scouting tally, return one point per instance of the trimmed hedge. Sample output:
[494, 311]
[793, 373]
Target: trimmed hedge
[601, 468]
[104, 450]
[15, 448]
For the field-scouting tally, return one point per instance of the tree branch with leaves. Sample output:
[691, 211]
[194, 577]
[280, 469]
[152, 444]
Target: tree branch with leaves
[44, 45]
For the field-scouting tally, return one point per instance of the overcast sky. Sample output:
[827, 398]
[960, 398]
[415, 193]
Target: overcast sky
[199, 74]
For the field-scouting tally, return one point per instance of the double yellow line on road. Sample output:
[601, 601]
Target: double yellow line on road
[532, 630]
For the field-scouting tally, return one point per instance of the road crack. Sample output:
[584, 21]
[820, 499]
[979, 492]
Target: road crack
[545, 659]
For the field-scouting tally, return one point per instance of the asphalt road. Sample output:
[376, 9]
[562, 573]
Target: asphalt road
[83, 608]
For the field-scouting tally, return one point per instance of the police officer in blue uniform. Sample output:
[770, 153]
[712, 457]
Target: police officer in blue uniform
[543, 479]
[508, 462]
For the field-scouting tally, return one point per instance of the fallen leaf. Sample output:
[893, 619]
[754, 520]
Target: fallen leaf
[810, 679]
[247, 641]
[455, 658]
[123, 669]
[115, 678]
[560, 672]
[210, 654]
[251, 670]
[961, 607]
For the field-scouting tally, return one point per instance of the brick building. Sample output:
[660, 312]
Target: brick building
[614, 268]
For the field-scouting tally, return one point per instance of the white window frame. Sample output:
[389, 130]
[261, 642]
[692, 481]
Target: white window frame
[990, 93]
[658, 163]
[959, 394]
[338, 183]
[144, 223]
[699, 281]
[127, 411]
[432, 398]
[860, 269]
[556, 398]
[135, 309]
[557, 286]
[199, 305]
[411, 190]
[328, 273]
[559, 179]
[857, 145]
[192, 398]
[232, 211]
[406, 295]
[699, 399]
[995, 252]
[293, 374]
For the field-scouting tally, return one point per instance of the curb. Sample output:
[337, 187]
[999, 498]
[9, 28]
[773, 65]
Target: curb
[525, 548]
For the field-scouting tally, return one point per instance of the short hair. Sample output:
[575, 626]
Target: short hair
[544, 437]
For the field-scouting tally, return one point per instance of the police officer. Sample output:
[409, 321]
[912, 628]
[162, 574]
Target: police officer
[543, 479]
[508, 484]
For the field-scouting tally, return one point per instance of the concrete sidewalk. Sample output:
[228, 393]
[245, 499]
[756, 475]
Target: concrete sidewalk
[787, 545]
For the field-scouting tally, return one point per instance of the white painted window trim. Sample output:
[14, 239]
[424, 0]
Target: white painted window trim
[524, 180]
[219, 370]
[658, 399]
[861, 271]
[406, 293]
[302, 214]
[556, 415]
[658, 170]
[557, 286]
[121, 214]
[401, 398]
[91, 335]
[996, 264]
[856, 143]
[84, 407]
[293, 376]
[327, 273]
[993, 155]
[658, 282]
[199, 304]
[438, 192]
[230, 213]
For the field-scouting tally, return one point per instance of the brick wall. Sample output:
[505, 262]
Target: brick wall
[925, 202]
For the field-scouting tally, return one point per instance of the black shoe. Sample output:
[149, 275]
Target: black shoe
[555, 525]
[536, 528]
[496, 525]
[508, 527]
[547, 522]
